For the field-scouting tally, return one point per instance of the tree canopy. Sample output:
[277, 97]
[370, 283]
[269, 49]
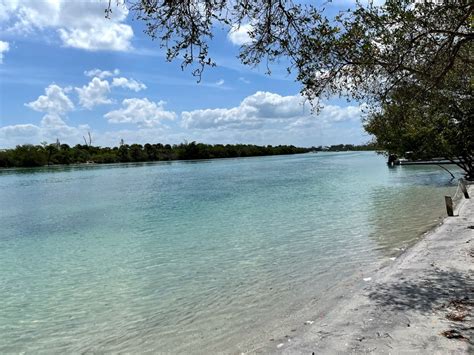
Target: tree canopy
[363, 52]
[438, 123]
[405, 60]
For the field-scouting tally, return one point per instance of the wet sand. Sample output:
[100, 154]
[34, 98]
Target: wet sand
[421, 303]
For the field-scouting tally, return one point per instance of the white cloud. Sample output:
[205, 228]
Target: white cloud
[4, 47]
[274, 106]
[52, 127]
[328, 115]
[79, 24]
[54, 101]
[101, 74]
[95, 93]
[252, 112]
[19, 131]
[117, 37]
[268, 110]
[236, 117]
[142, 112]
[131, 84]
[239, 35]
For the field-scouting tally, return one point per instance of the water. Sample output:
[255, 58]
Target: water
[208, 256]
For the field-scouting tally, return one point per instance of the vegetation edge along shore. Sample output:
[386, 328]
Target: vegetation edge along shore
[28, 155]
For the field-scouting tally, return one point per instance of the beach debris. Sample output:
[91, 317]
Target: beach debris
[280, 345]
[470, 227]
[393, 258]
[458, 309]
[456, 316]
[360, 338]
[309, 322]
[453, 334]
[366, 279]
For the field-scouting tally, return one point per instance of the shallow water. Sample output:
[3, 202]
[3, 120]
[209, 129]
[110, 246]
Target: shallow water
[195, 256]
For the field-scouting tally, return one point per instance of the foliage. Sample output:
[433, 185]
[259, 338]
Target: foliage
[40, 155]
[439, 123]
[363, 52]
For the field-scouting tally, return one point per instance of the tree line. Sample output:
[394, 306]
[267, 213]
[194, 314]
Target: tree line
[29, 155]
[51, 154]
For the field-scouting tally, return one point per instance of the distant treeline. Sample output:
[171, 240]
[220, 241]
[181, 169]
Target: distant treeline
[50, 154]
[345, 148]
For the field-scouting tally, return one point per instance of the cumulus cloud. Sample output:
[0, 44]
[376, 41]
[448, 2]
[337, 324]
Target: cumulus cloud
[19, 131]
[274, 106]
[130, 84]
[79, 24]
[235, 117]
[52, 127]
[329, 114]
[55, 104]
[239, 35]
[252, 112]
[4, 47]
[270, 110]
[95, 93]
[54, 101]
[101, 74]
[143, 112]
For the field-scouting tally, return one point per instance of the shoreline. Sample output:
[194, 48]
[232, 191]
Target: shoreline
[97, 164]
[421, 303]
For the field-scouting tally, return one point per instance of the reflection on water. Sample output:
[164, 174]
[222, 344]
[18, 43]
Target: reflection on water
[194, 256]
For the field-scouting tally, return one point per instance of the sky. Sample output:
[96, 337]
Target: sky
[66, 70]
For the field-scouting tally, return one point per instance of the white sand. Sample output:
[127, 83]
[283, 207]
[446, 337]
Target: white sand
[403, 308]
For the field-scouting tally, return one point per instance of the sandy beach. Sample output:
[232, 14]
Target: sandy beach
[422, 303]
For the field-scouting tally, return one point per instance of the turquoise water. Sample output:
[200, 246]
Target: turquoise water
[208, 256]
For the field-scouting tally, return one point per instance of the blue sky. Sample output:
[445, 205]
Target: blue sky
[66, 70]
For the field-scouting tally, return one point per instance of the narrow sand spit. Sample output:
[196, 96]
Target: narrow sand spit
[421, 304]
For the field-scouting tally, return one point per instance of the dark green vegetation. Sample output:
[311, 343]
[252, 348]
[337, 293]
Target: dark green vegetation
[439, 123]
[52, 154]
[40, 155]
[410, 63]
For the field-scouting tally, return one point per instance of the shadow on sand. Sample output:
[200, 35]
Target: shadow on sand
[436, 291]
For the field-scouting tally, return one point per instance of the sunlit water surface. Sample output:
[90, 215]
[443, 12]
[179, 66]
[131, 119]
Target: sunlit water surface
[195, 256]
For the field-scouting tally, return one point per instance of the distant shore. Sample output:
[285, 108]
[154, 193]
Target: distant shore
[28, 156]
[113, 162]
[422, 303]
